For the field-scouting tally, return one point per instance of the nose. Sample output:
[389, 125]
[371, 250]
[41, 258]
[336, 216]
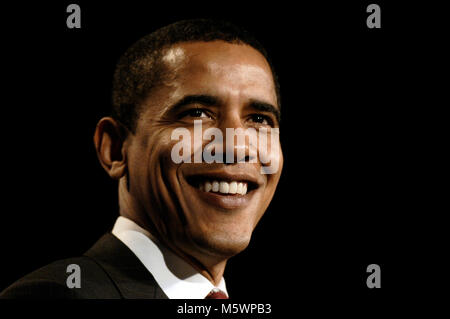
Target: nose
[237, 145]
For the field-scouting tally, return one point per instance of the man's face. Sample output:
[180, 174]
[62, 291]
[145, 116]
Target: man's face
[223, 85]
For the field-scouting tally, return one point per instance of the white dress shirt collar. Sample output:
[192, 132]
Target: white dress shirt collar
[177, 278]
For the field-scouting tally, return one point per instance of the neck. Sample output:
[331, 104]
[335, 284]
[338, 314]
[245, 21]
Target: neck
[214, 273]
[210, 269]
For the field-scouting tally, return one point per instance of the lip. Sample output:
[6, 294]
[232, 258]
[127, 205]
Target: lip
[227, 202]
[237, 173]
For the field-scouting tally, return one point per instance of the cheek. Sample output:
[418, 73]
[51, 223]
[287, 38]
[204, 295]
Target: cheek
[151, 165]
[273, 172]
[270, 154]
[155, 180]
[186, 145]
[158, 146]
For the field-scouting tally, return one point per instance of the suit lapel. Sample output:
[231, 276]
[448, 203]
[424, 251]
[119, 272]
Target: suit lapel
[129, 275]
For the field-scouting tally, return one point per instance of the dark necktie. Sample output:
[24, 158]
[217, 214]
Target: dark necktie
[216, 294]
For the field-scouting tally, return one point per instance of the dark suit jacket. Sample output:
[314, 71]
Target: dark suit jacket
[109, 270]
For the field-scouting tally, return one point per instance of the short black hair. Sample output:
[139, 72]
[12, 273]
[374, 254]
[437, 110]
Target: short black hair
[139, 69]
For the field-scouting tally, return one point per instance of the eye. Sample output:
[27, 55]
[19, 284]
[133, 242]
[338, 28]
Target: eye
[261, 119]
[199, 113]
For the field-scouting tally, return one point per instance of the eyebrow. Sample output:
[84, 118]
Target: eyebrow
[203, 99]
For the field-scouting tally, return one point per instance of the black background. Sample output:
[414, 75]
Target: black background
[356, 110]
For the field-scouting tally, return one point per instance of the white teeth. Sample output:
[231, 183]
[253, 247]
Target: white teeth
[215, 186]
[224, 187]
[240, 188]
[233, 188]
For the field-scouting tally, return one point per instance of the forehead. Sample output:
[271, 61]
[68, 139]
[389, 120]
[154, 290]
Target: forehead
[221, 66]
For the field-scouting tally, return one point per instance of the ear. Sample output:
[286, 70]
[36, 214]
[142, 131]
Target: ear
[109, 141]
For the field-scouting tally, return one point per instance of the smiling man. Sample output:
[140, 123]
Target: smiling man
[179, 222]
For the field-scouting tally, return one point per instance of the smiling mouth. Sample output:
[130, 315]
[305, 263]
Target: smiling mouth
[221, 186]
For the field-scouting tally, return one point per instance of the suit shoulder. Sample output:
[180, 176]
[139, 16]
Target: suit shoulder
[54, 281]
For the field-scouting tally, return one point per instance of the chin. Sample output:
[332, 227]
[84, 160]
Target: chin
[223, 245]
